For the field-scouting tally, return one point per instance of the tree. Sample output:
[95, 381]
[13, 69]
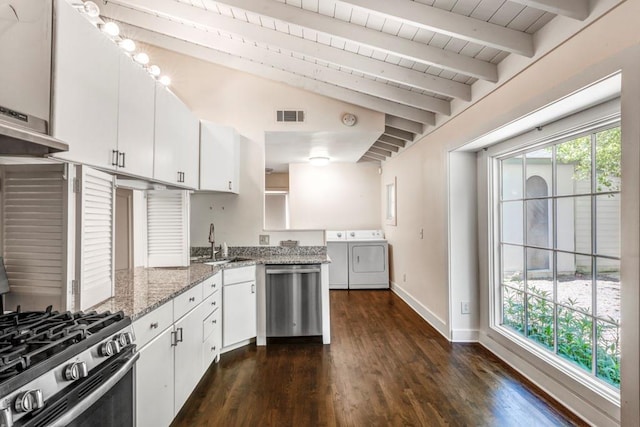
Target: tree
[608, 155]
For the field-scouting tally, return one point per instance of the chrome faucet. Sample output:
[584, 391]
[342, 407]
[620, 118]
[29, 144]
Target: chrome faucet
[212, 240]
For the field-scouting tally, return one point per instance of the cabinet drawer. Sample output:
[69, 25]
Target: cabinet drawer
[210, 350]
[152, 324]
[210, 324]
[211, 285]
[183, 303]
[239, 275]
[211, 303]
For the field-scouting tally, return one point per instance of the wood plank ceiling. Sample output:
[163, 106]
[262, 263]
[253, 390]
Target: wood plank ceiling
[407, 59]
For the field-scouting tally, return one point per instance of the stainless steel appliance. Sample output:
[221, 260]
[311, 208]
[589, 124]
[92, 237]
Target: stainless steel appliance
[359, 259]
[66, 369]
[294, 300]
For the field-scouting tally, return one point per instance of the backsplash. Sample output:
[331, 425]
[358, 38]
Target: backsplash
[258, 251]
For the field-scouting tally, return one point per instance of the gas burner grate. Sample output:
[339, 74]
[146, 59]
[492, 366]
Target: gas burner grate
[29, 338]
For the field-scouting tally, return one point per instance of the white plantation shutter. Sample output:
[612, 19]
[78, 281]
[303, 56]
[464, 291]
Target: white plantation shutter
[168, 228]
[95, 236]
[34, 235]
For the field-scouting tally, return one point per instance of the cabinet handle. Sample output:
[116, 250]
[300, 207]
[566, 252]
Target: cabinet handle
[213, 303]
[114, 157]
[174, 338]
[229, 185]
[358, 259]
[121, 155]
[154, 325]
[213, 348]
[214, 321]
[178, 332]
[180, 176]
[192, 299]
[253, 288]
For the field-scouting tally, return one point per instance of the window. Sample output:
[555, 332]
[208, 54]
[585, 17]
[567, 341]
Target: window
[559, 249]
[390, 203]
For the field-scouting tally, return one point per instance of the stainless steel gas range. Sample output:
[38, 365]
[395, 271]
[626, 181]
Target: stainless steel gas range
[66, 369]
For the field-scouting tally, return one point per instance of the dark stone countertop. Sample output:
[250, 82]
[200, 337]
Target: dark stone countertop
[140, 290]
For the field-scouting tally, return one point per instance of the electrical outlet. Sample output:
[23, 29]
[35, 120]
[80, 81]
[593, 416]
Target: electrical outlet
[264, 239]
[465, 309]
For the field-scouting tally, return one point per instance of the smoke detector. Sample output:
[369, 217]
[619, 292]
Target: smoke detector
[349, 119]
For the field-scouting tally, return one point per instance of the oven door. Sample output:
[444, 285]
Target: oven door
[104, 398]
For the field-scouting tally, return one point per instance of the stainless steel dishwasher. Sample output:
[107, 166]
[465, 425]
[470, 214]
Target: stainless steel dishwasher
[294, 300]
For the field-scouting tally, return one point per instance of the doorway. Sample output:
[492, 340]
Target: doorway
[124, 229]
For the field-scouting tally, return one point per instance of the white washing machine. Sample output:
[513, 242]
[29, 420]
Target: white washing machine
[359, 259]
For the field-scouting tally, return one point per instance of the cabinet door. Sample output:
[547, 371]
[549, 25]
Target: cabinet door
[238, 312]
[85, 89]
[219, 158]
[154, 382]
[135, 119]
[188, 356]
[176, 141]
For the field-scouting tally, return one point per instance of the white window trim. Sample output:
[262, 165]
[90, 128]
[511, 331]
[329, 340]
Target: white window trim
[602, 396]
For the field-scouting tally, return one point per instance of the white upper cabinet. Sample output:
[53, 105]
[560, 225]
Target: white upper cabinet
[219, 158]
[135, 119]
[85, 89]
[176, 141]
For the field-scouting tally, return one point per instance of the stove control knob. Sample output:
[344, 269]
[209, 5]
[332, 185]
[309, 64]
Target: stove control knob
[109, 348]
[29, 401]
[6, 418]
[124, 339]
[75, 370]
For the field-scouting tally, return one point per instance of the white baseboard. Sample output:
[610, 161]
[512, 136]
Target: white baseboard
[465, 335]
[231, 347]
[439, 324]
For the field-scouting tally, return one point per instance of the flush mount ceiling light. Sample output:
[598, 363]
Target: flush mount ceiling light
[141, 58]
[127, 45]
[165, 80]
[111, 28]
[319, 161]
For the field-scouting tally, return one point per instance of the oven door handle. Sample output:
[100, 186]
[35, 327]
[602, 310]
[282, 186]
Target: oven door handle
[70, 415]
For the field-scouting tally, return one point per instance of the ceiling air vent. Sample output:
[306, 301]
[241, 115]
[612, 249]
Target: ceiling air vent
[289, 116]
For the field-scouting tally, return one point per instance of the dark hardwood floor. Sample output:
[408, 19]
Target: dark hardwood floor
[385, 366]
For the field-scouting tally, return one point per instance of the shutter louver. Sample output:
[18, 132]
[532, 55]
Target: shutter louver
[167, 228]
[33, 209]
[96, 231]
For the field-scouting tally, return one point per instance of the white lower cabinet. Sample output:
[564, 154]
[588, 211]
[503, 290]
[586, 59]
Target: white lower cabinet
[175, 344]
[238, 305]
[154, 382]
[188, 356]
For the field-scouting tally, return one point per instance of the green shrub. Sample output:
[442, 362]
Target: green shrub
[574, 334]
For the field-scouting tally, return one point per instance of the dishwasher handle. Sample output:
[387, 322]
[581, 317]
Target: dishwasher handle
[293, 271]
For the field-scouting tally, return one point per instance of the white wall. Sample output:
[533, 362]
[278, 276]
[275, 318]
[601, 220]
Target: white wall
[463, 248]
[609, 44]
[334, 197]
[248, 103]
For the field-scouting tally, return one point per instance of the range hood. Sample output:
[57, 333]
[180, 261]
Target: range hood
[25, 92]
[18, 140]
